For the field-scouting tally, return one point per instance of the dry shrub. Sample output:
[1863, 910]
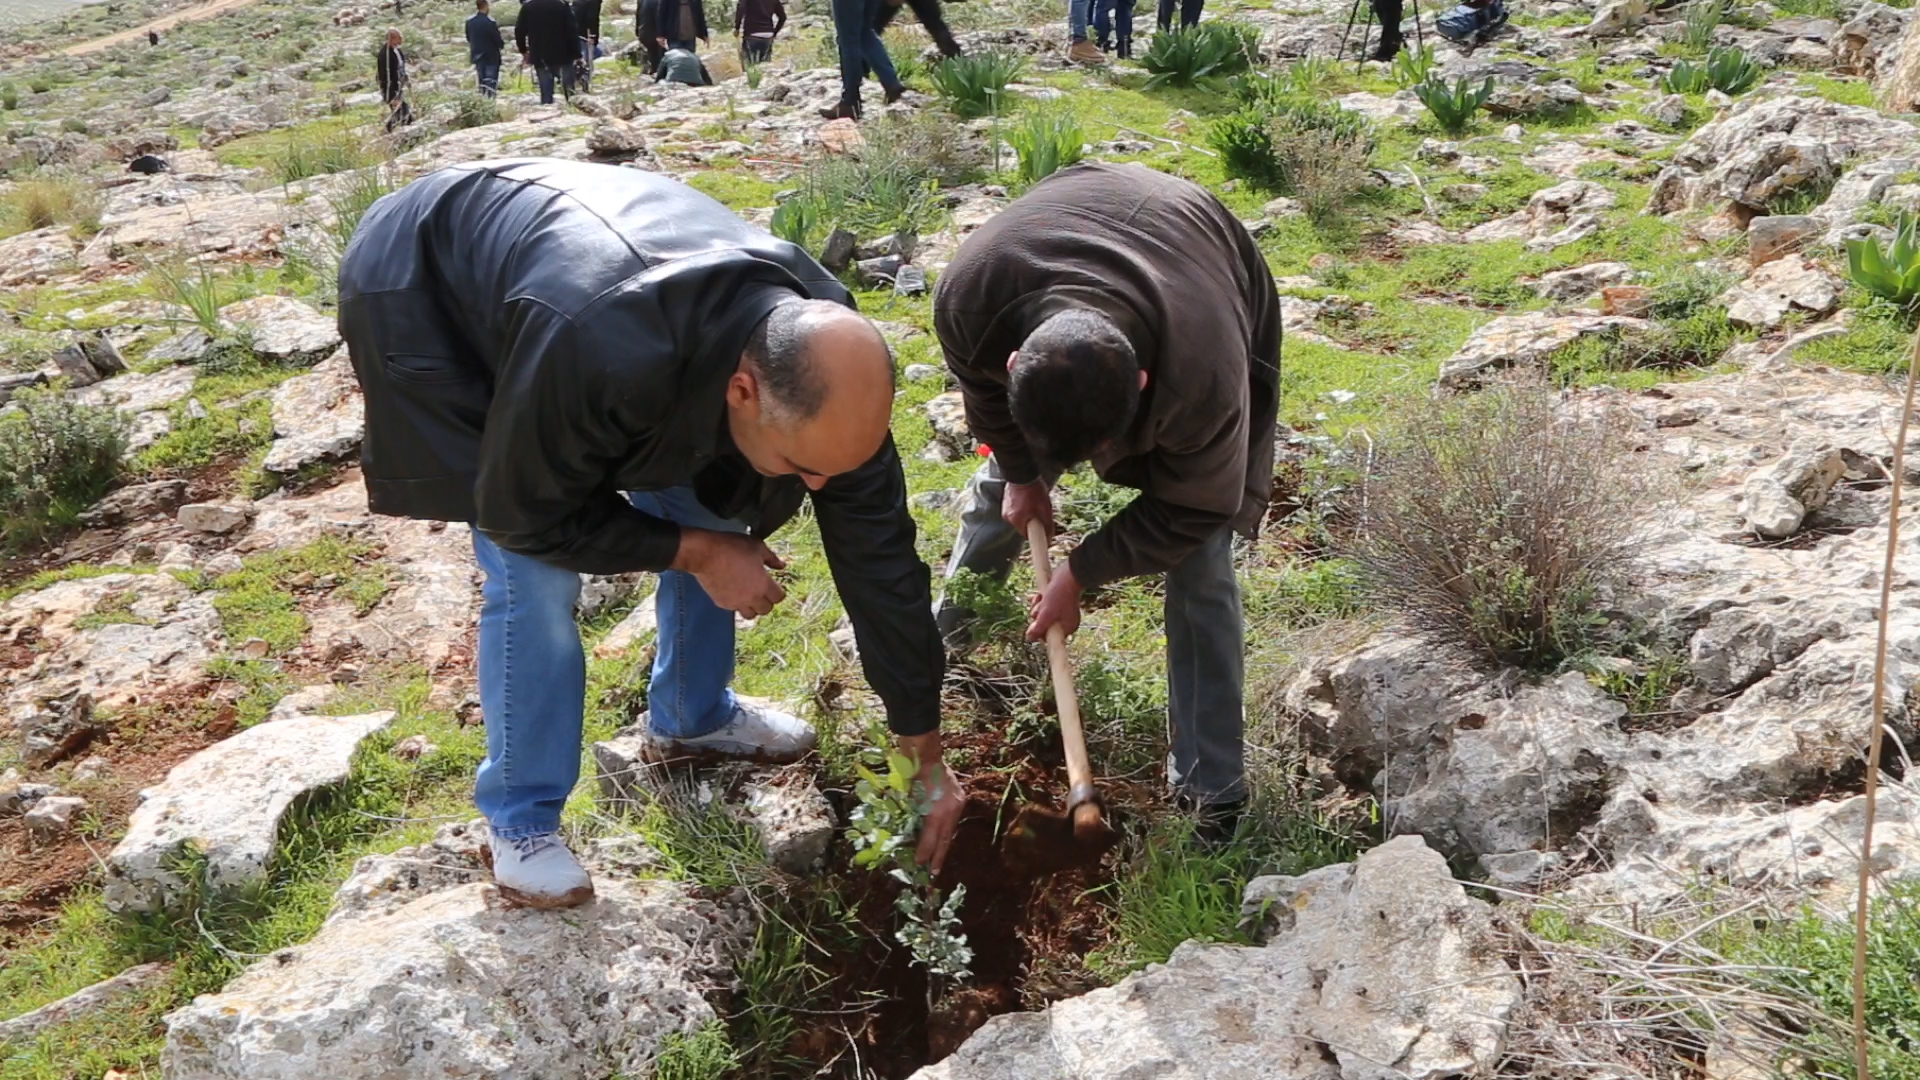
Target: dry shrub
[1498, 522]
[46, 201]
[1326, 167]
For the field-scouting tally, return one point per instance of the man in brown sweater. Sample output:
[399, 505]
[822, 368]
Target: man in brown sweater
[1123, 316]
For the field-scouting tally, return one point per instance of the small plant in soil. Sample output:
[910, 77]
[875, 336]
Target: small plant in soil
[1497, 524]
[1703, 17]
[1453, 106]
[57, 457]
[882, 828]
[1890, 272]
[797, 221]
[1728, 70]
[1414, 66]
[976, 84]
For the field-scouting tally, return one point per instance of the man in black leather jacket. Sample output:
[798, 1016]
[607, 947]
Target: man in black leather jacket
[605, 371]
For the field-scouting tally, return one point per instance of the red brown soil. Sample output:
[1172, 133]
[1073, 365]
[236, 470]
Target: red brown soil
[1030, 931]
[35, 877]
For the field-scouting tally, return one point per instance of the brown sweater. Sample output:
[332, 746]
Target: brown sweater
[1182, 278]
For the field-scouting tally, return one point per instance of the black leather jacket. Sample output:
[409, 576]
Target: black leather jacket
[536, 336]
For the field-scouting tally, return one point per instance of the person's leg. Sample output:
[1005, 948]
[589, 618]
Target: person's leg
[1388, 13]
[850, 30]
[931, 17]
[1206, 675]
[1123, 20]
[568, 80]
[1076, 20]
[693, 658]
[544, 75]
[533, 680]
[1164, 17]
[986, 545]
[1190, 12]
[875, 50]
[1102, 28]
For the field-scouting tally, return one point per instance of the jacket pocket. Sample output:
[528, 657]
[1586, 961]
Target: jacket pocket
[422, 368]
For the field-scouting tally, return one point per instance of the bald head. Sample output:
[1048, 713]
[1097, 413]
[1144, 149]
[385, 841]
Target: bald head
[814, 391]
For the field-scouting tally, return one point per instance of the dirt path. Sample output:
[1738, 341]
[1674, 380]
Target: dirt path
[162, 24]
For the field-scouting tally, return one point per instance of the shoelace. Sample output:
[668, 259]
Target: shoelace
[529, 846]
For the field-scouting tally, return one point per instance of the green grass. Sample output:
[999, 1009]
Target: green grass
[255, 602]
[736, 187]
[707, 1054]
[1845, 91]
[1878, 342]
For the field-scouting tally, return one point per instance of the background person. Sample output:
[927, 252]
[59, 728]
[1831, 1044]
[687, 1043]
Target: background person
[586, 15]
[756, 23]
[861, 50]
[484, 46]
[549, 39]
[390, 71]
[1189, 13]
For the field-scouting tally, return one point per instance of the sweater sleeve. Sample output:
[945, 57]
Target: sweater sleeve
[779, 16]
[989, 417]
[547, 460]
[887, 590]
[1149, 536]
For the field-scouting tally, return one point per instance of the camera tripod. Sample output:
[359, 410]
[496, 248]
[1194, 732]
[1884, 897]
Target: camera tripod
[1366, 29]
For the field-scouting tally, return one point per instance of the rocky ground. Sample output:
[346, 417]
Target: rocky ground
[240, 712]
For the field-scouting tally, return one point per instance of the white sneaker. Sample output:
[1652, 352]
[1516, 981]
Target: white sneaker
[755, 732]
[539, 872]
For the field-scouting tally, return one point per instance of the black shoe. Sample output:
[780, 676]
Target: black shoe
[1214, 824]
[895, 92]
[1388, 49]
[844, 110]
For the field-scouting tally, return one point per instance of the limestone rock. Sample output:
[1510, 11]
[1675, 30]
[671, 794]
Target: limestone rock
[453, 984]
[162, 645]
[1530, 338]
[317, 417]
[63, 728]
[1617, 17]
[1344, 989]
[226, 802]
[794, 820]
[637, 627]
[1792, 283]
[1538, 99]
[948, 412]
[136, 502]
[1555, 217]
[17, 796]
[283, 328]
[1770, 237]
[216, 518]
[53, 815]
[1669, 111]
[1779, 497]
[1703, 164]
[1872, 33]
[1580, 282]
[613, 139]
[382, 884]
[1897, 85]
[1769, 167]
[82, 1003]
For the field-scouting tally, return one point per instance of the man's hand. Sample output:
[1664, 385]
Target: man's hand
[944, 791]
[1058, 603]
[733, 570]
[1022, 503]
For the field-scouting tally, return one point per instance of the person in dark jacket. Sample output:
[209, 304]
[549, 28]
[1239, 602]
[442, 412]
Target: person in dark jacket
[930, 16]
[646, 28]
[605, 371]
[673, 24]
[1120, 315]
[484, 45]
[549, 39]
[390, 71]
[861, 51]
[681, 66]
[586, 14]
[756, 23]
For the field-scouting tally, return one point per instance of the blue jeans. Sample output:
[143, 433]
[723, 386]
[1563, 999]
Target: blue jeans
[545, 75]
[533, 671]
[488, 76]
[860, 46]
[1122, 15]
[1077, 19]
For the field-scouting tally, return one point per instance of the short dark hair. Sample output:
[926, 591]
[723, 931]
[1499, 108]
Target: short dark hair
[788, 376]
[1074, 385]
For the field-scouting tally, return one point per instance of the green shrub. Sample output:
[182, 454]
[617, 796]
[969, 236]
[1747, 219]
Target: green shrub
[309, 152]
[1245, 145]
[894, 184]
[1046, 142]
[1494, 523]
[1200, 53]
[56, 458]
[49, 200]
[797, 221]
[74, 124]
[9, 96]
[1728, 70]
[1269, 139]
[1453, 106]
[1703, 17]
[1411, 67]
[1325, 166]
[473, 109]
[975, 84]
[195, 289]
[1891, 273]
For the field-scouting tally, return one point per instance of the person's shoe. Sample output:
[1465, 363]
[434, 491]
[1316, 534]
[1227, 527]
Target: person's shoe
[1124, 50]
[955, 624]
[1086, 52]
[895, 92]
[1388, 49]
[538, 872]
[755, 732]
[1214, 824]
[843, 110]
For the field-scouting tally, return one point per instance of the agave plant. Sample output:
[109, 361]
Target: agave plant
[797, 220]
[1046, 142]
[1891, 273]
[1732, 71]
[1414, 66]
[1196, 54]
[1703, 17]
[975, 84]
[1686, 78]
[1453, 106]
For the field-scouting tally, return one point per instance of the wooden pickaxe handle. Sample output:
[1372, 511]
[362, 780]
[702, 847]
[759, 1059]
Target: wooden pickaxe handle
[1073, 737]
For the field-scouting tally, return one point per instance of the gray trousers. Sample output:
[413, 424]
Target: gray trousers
[1206, 645]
